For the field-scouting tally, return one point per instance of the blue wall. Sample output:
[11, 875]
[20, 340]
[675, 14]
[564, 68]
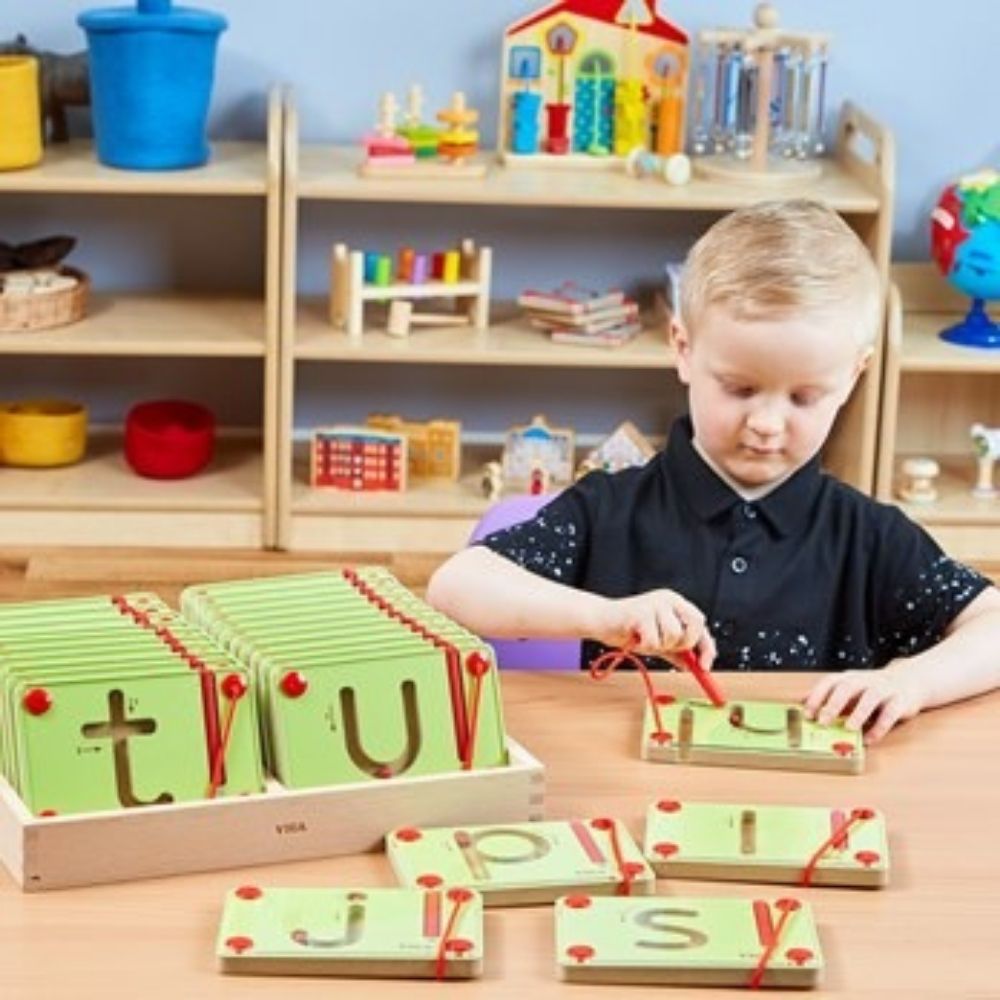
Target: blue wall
[930, 79]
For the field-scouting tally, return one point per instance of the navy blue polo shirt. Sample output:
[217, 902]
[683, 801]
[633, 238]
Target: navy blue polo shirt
[812, 576]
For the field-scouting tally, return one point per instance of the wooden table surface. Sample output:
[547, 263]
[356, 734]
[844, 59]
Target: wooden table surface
[934, 932]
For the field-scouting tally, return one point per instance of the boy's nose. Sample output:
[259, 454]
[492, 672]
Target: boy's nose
[766, 420]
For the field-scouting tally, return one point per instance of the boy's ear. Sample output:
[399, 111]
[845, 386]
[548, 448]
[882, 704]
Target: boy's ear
[680, 340]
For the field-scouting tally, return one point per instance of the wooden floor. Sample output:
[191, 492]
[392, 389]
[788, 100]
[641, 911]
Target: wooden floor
[38, 574]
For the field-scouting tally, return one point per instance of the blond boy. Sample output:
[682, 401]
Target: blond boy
[732, 542]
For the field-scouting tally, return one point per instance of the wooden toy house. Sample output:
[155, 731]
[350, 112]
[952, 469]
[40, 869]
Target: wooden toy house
[584, 79]
[433, 446]
[361, 459]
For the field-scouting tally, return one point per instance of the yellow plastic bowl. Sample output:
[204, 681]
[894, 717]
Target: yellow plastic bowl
[42, 433]
[20, 113]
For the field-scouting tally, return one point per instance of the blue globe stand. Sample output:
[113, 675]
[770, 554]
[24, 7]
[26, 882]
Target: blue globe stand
[976, 330]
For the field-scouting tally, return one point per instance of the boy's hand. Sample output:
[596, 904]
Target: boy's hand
[657, 623]
[878, 699]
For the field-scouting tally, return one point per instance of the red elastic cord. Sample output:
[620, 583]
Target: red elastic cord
[624, 869]
[478, 666]
[758, 973]
[215, 782]
[605, 664]
[835, 838]
[458, 900]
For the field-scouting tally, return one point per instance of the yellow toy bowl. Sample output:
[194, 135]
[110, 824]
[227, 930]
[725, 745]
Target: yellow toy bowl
[20, 113]
[42, 433]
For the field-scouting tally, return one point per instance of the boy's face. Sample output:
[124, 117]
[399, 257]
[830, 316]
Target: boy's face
[764, 392]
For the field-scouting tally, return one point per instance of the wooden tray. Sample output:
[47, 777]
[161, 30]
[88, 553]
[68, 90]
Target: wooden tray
[93, 848]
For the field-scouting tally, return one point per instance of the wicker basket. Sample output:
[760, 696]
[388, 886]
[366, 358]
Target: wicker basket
[42, 310]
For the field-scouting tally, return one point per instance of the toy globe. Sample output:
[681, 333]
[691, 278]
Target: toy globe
[965, 242]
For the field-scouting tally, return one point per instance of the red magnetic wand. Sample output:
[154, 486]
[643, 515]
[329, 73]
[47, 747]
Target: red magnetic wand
[705, 680]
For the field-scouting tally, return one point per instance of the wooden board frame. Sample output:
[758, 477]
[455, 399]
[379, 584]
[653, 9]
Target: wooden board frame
[280, 825]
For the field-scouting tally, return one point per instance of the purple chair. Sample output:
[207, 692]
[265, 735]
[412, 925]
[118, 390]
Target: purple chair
[525, 654]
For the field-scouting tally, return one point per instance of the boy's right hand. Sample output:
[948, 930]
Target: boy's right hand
[657, 623]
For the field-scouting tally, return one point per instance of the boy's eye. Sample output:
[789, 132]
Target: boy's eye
[806, 397]
[738, 390]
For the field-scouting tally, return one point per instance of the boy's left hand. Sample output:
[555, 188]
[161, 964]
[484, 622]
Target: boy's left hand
[878, 699]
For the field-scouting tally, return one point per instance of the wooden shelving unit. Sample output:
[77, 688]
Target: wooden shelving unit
[100, 501]
[857, 182]
[933, 391]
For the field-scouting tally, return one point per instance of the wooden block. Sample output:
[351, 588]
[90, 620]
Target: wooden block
[687, 942]
[382, 933]
[61, 851]
[807, 845]
[748, 734]
[524, 863]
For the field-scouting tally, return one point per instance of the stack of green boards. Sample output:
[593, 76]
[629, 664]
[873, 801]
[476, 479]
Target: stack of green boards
[404, 933]
[110, 703]
[358, 679]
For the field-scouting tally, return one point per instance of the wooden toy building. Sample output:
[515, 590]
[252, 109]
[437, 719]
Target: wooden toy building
[584, 79]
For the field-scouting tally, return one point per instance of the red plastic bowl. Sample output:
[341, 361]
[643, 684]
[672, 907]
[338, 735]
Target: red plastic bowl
[169, 438]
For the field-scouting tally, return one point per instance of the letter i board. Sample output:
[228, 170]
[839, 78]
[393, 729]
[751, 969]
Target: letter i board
[127, 718]
[747, 734]
[523, 863]
[380, 690]
[679, 941]
[803, 845]
[386, 933]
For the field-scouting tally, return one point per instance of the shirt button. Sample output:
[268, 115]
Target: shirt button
[749, 511]
[739, 565]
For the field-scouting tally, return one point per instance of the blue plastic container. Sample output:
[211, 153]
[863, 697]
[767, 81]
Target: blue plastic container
[151, 74]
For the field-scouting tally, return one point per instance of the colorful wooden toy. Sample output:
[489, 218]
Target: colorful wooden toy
[414, 150]
[433, 447]
[523, 864]
[986, 441]
[534, 446]
[803, 845]
[583, 82]
[919, 473]
[359, 459]
[687, 941]
[491, 482]
[747, 734]
[674, 169]
[759, 101]
[375, 933]
[461, 274]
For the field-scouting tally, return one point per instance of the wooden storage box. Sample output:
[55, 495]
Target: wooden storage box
[87, 849]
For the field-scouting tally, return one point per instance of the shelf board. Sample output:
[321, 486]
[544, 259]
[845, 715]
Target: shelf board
[328, 172]
[235, 168]
[155, 325]
[512, 343]
[103, 482]
[955, 504]
[924, 351]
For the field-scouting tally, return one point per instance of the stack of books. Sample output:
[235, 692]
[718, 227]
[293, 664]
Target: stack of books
[574, 314]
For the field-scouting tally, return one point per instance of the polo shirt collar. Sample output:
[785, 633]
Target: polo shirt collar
[787, 508]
